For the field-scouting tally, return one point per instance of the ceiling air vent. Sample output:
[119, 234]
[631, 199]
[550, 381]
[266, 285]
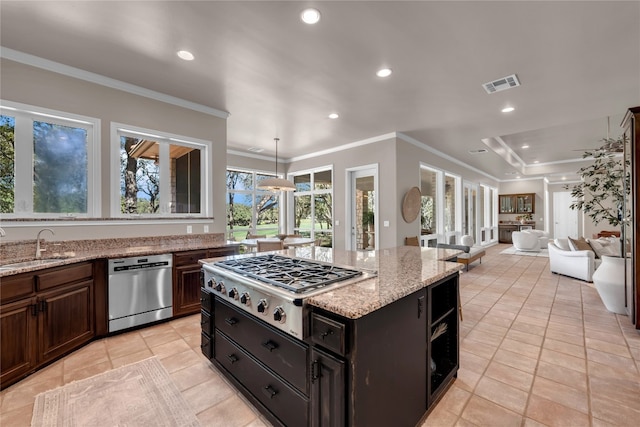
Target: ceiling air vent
[501, 84]
[480, 151]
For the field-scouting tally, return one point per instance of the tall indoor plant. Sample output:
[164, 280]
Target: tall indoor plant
[605, 184]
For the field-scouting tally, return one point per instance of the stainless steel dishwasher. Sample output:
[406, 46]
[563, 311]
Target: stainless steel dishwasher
[140, 290]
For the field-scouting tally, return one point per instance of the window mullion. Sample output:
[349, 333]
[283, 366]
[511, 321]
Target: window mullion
[165, 178]
[23, 136]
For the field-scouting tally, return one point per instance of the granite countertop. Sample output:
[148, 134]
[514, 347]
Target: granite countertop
[78, 251]
[400, 272]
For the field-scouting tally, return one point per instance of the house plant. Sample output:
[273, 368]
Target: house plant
[604, 185]
[368, 220]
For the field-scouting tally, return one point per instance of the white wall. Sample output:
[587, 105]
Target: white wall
[34, 86]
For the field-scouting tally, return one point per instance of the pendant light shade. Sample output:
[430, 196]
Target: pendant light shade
[275, 183]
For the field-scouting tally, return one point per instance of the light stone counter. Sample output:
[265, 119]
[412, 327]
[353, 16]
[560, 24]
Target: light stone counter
[400, 272]
[85, 250]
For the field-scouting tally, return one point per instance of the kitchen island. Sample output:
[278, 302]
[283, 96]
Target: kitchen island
[376, 352]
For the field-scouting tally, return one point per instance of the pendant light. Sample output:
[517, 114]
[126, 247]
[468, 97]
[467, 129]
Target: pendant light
[275, 183]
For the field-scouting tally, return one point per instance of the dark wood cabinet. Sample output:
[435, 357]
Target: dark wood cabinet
[18, 340]
[43, 316]
[327, 390]
[186, 277]
[65, 319]
[517, 203]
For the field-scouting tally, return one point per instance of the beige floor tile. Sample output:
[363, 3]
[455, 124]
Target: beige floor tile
[122, 347]
[502, 394]
[508, 375]
[131, 358]
[519, 347]
[485, 413]
[467, 379]
[568, 377]
[554, 414]
[233, 412]
[441, 418]
[615, 413]
[208, 394]
[525, 337]
[515, 360]
[86, 372]
[479, 348]
[160, 338]
[193, 375]
[608, 347]
[170, 348]
[625, 391]
[560, 393]
[454, 400]
[18, 417]
[612, 360]
[181, 360]
[564, 347]
[564, 360]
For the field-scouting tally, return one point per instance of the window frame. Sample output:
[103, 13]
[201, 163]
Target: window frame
[164, 139]
[312, 193]
[255, 192]
[24, 158]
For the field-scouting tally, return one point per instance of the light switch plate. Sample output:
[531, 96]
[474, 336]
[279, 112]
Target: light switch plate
[189, 229]
[337, 222]
[386, 223]
[206, 228]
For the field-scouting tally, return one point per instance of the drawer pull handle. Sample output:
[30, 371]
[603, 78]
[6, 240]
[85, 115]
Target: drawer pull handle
[326, 334]
[232, 358]
[231, 320]
[270, 345]
[270, 392]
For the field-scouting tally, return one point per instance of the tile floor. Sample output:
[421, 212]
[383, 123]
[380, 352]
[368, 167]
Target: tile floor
[536, 349]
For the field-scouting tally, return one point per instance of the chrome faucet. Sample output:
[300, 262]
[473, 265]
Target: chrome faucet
[38, 249]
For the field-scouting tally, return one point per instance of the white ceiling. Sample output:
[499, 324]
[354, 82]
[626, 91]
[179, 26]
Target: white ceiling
[578, 63]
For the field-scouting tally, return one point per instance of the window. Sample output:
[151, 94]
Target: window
[250, 209]
[48, 164]
[159, 174]
[313, 205]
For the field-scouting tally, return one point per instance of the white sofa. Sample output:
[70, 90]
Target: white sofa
[578, 264]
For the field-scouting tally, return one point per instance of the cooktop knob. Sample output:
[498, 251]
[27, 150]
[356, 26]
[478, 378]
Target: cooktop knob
[262, 306]
[279, 315]
[245, 298]
[233, 293]
[220, 287]
[211, 283]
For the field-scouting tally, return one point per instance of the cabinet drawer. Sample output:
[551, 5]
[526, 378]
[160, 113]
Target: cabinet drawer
[206, 300]
[283, 401]
[15, 287]
[64, 275]
[223, 251]
[279, 352]
[328, 333]
[188, 258]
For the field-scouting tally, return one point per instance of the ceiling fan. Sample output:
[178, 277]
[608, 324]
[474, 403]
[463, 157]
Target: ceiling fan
[609, 145]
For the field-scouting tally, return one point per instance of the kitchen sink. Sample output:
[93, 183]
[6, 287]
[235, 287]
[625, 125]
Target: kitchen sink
[32, 263]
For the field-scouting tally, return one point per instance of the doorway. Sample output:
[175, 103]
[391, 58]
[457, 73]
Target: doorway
[362, 204]
[469, 221]
[565, 219]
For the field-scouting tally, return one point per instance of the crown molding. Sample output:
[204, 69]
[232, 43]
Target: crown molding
[56, 67]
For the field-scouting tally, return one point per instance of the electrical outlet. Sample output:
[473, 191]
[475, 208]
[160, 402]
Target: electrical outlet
[189, 229]
[206, 228]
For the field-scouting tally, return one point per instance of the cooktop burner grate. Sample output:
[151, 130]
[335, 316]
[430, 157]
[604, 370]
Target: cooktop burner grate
[294, 274]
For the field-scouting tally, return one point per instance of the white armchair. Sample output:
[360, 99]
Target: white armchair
[578, 264]
[525, 241]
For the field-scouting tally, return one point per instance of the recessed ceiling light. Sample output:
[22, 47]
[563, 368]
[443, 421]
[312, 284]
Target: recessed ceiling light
[507, 109]
[186, 55]
[518, 176]
[525, 146]
[333, 116]
[564, 178]
[310, 16]
[255, 149]
[536, 161]
[384, 72]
